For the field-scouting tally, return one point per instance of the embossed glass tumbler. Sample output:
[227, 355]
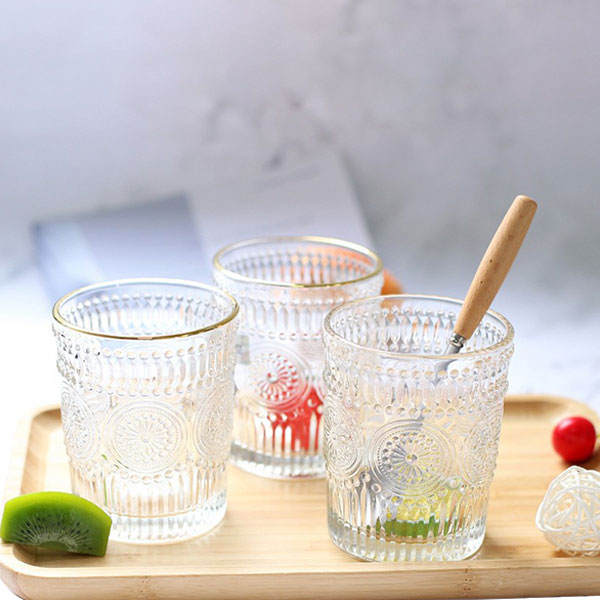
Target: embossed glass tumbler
[285, 287]
[411, 439]
[147, 402]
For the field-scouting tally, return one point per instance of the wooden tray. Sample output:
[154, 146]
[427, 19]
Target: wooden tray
[274, 543]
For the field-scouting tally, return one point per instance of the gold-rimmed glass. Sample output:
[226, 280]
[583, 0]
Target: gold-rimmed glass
[285, 287]
[147, 402]
[411, 435]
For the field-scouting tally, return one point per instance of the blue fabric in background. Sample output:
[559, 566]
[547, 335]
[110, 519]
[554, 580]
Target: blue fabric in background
[177, 236]
[157, 239]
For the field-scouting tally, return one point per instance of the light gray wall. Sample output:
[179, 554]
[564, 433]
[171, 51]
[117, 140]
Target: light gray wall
[444, 110]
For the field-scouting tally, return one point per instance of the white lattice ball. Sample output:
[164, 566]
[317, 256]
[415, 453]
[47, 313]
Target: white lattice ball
[569, 515]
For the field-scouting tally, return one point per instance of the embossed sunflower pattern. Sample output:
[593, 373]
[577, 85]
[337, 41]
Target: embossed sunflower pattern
[410, 458]
[146, 437]
[342, 443]
[480, 451]
[79, 427]
[278, 378]
[214, 423]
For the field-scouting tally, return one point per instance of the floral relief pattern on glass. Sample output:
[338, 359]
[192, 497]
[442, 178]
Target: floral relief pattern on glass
[410, 458]
[213, 423]
[146, 436]
[278, 377]
[79, 426]
[481, 450]
[342, 442]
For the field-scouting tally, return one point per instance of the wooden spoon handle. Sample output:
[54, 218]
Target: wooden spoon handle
[495, 264]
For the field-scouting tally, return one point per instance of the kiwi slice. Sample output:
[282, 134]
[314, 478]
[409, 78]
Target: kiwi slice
[57, 521]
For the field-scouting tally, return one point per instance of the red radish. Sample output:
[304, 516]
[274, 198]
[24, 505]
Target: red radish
[574, 438]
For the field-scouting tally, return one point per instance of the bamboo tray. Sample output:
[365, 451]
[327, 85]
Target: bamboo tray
[274, 543]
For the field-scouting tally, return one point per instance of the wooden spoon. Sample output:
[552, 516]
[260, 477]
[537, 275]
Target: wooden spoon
[492, 270]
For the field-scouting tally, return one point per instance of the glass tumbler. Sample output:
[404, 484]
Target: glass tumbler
[285, 287]
[411, 435]
[147, 402]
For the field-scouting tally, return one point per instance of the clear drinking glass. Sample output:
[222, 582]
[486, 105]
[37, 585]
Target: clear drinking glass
[285, 287]
[147, 402]
[410, 439]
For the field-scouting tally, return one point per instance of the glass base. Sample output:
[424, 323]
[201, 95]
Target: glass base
[277, 467]
[374, 547]
[170, 528]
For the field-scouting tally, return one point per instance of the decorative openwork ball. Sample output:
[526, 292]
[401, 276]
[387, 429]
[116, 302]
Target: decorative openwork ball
[569, 515]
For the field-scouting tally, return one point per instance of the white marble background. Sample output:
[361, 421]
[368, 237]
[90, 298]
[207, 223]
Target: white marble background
[443, 110]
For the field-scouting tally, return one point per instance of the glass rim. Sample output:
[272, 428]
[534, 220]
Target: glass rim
[218, 266]
[116, 283]
[504, 342]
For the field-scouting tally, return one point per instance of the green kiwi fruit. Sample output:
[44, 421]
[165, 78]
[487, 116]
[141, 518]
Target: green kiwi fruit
[57, 521]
